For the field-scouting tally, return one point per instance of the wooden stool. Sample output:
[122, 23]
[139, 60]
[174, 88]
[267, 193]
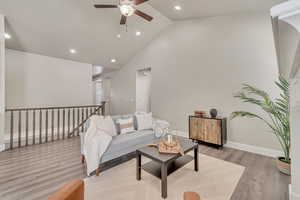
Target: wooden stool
[191, 196]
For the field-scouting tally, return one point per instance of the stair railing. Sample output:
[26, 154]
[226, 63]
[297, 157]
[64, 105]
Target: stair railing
[30, 126]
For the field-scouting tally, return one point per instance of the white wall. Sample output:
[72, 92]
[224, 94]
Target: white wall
[2, 81]
[143, 91]
[200, 64]
[295, 137]
[34, 80]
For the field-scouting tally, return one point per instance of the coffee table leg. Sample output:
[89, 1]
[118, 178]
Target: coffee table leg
[138, 166]
[196, 158]
[164, 185]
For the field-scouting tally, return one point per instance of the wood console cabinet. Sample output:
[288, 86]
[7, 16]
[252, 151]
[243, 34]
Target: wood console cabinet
[209, 130]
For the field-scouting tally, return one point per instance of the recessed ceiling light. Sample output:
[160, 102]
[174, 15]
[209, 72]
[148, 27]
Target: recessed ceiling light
[177, 7]
[7, 36]
[138, 33]
[73, 51]
[113, 60]
[119, 36]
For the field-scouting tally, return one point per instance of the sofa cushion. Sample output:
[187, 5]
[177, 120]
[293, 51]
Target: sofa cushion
[124, 141]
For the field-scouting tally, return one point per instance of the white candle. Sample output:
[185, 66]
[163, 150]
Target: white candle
[169, 139]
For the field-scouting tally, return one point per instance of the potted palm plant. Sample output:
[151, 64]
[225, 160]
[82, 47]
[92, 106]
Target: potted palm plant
[277, 118]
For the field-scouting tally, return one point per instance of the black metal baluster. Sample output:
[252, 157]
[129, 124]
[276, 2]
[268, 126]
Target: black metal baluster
[46, 132]
[19, 129]
[73, 113]
[82, 119]
[68, 123]
[103, 109]
[41, 124]
[64, 113]
[87, 113]
[33, 127]
[58, 123]
[78, 121]
[52, 125]
[26, 129]
[12, 130]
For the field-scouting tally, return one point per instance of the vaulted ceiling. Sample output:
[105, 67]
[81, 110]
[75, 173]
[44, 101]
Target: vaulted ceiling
[53, 27]
[208, 8]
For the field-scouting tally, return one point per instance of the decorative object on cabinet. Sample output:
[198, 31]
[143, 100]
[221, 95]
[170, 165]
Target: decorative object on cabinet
[213, 113]
[200, 113]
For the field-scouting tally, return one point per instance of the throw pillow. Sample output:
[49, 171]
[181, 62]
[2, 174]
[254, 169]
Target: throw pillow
[126, 125]
[144, 121]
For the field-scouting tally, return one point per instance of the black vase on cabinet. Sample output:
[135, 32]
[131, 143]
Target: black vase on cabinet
[213, 113]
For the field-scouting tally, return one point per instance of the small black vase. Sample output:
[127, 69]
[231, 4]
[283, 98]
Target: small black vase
[213, 113]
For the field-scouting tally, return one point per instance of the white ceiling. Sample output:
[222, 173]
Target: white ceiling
[206, 8]
[52, 27]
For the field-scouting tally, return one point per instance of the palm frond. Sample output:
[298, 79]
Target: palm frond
[278, 110]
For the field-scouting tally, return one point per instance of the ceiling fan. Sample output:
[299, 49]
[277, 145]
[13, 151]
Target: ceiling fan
[127, 8]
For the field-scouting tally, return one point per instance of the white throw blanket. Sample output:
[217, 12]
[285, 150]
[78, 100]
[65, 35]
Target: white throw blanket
[96, 141]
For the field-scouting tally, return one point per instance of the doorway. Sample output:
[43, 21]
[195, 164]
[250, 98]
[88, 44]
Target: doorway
[102, 93]
[143, 90]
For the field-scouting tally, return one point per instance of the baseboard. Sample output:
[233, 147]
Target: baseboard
[293, 196]
[254, 149]
[180, 133]
[243, 147]
[2, 147]
[290, 192]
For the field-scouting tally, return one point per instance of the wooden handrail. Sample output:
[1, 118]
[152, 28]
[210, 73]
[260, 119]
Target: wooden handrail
[53, 123]
[50, 108]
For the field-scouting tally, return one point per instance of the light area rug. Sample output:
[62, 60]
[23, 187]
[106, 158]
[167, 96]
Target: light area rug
[215, 180]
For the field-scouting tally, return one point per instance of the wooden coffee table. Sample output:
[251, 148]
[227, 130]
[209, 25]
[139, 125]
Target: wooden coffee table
[163, 165]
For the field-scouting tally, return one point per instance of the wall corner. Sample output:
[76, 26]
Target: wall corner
[2, 80]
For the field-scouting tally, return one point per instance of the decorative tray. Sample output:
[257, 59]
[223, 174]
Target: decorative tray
[168, 148]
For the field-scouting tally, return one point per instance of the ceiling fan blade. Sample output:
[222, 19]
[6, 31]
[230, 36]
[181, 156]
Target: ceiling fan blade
[123, 20]
[137, 2]
[105, 6]
[143, 15]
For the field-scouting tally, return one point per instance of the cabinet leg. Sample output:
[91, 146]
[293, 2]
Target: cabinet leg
[196, 160]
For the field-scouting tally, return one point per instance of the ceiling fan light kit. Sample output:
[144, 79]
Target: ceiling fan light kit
[127, 9]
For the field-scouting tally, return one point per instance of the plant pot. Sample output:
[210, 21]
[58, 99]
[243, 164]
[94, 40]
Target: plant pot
[283, 167]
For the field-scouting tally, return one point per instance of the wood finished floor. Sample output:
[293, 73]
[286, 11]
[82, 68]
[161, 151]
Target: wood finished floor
[35, 172]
